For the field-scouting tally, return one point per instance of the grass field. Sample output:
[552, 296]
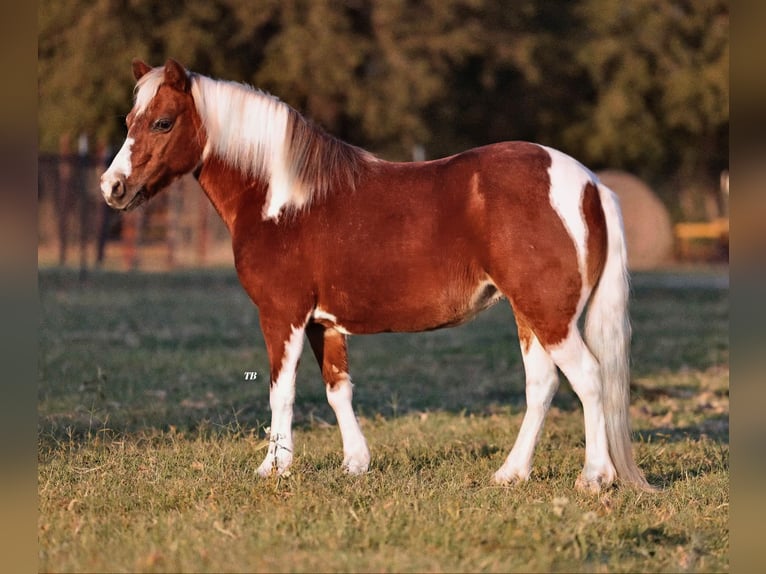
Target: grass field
[149, 437]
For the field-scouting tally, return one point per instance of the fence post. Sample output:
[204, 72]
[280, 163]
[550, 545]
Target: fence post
[83, 181]
[202, 215]
[104, 159]
[63, 195]
[131, 238]
[175, 194]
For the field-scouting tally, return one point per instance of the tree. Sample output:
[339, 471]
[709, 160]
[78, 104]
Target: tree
[640, 85]
[660, 74]
[85, 48]
[81, 84]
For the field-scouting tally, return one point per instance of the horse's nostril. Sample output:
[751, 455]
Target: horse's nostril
[118, 188]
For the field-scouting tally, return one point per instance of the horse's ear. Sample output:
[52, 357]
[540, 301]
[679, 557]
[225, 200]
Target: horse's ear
[176, 76]
[139, 69]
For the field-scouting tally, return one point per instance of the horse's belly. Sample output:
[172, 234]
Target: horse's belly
[428, 308]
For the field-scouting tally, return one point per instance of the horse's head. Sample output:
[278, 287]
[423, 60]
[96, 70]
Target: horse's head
[165, 137]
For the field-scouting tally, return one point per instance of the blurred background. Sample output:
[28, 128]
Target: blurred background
[638, 90]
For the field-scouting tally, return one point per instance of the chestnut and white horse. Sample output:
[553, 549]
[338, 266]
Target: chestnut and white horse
[331, 241]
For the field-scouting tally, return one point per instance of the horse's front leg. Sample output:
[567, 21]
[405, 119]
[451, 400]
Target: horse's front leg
[329, 346]
[284, 346]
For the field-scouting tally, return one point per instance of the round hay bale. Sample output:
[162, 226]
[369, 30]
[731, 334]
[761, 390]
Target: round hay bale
[648, 229]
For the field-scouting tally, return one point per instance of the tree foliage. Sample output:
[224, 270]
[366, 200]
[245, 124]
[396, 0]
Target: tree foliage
[641, 84]
[661, 76]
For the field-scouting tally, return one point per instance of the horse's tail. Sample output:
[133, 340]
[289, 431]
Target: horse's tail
[607, 332]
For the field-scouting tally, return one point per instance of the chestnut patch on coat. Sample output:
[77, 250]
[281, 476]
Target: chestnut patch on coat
[531, 256]
[330, 350]
[595, 223]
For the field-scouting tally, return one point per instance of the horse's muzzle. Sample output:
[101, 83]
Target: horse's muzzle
[114, 188]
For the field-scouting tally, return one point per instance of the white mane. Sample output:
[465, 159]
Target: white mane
[263, 137]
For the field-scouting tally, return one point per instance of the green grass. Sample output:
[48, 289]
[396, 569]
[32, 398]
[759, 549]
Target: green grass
[149, 438]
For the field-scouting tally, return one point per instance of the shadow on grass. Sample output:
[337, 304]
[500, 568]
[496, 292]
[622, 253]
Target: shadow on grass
[715, 428]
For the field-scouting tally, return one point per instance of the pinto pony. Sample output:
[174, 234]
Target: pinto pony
[330, 241]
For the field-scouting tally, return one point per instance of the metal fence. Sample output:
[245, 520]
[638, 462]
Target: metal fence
[177, 228]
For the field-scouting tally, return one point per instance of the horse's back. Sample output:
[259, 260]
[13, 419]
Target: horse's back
[424, 245]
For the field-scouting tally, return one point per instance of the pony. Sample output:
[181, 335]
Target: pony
[330, 241]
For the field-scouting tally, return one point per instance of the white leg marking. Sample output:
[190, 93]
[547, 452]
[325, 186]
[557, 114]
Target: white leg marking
[579, 366]
[281, 399]
[542, 382]
[356, 455]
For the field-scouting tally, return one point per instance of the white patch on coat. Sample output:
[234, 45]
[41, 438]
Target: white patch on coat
[568, 180]
[320, 315]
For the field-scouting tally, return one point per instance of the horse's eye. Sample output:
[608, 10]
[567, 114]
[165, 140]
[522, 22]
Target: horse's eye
[162, 125]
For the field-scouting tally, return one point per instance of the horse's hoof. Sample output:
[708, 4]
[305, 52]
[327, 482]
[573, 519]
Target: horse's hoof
[592, 485]
[509, 479]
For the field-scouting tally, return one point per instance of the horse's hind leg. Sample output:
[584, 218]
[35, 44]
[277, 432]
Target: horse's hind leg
[329, 346]
[581, 368]
[541, 384]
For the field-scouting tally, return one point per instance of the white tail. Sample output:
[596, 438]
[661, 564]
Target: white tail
[607, 332]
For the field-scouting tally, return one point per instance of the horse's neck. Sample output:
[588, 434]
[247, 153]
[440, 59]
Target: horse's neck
[231, 193]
